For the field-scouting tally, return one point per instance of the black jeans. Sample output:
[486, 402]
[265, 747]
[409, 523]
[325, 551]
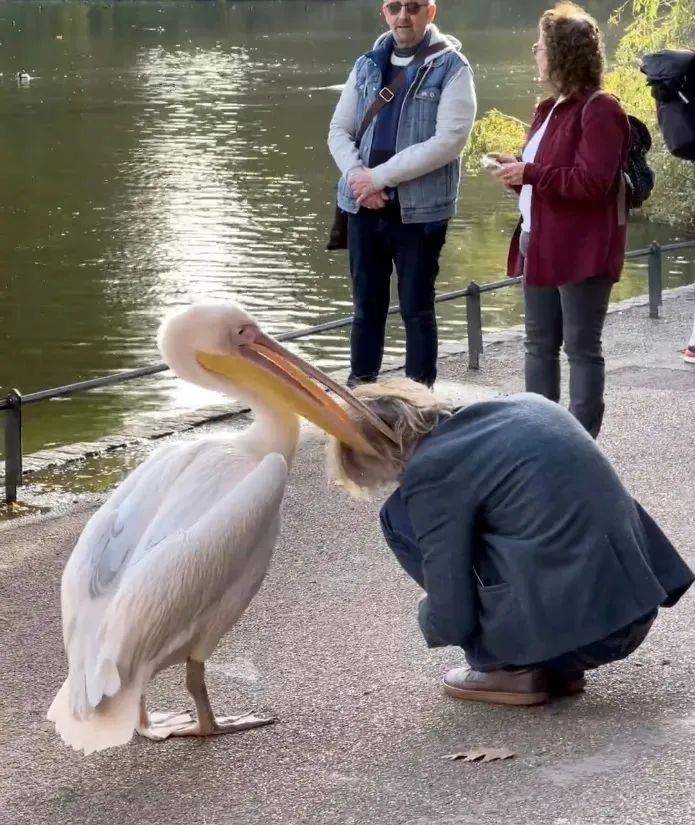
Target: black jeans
[377, 239]
[573, 314]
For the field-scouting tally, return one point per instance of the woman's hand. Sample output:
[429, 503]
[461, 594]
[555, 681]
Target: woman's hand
[511, 174]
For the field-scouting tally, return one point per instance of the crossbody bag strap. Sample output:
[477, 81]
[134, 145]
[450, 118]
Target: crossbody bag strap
[388, 93]
[591, 97]
[623, 178]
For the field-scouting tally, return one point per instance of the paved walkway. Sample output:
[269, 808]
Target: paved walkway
[331, 646]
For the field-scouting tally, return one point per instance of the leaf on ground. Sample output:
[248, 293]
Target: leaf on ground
[481, 755]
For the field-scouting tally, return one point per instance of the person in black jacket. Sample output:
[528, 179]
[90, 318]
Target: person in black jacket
[670, 74]
[533, 556]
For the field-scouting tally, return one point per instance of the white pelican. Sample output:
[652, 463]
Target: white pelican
[172, 559]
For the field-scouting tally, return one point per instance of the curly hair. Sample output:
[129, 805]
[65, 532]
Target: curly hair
[410, 409]
[574, 47]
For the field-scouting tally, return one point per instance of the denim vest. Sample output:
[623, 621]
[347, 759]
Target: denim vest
[433, 196]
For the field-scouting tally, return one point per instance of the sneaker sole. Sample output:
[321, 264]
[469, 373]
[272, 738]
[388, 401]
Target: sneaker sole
[495, 697]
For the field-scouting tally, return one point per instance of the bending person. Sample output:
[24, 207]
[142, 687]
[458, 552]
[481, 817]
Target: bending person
[534, 557]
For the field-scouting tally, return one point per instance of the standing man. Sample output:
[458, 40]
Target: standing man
[399, 183]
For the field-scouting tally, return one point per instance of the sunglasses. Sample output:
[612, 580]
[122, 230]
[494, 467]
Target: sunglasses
[412, 9]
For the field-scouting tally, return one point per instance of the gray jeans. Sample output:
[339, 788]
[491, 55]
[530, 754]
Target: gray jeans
[573, 314]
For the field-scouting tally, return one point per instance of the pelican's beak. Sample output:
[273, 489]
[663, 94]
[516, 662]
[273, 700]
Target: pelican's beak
[284, 379]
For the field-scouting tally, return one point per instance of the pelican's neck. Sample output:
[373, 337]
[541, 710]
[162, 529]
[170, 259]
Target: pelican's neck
[273, 431]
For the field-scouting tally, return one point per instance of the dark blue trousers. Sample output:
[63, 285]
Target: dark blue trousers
[378, 239]
[398, 532]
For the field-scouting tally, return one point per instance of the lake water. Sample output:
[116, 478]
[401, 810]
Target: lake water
[166, 152]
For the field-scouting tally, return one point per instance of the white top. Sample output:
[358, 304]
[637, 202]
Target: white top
[529, 156]
[397, 60]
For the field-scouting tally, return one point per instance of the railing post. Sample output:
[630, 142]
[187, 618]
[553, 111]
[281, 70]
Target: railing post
[655, 279]
[474, 319]
[13, 446]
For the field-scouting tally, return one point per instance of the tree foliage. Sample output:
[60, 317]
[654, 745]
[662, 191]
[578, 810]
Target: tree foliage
[494, 132]
[655, 25]
[651, 25]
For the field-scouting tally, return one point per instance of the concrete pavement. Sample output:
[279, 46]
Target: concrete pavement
[331, 646]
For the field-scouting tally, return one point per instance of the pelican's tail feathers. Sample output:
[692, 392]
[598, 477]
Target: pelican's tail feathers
[89, 684]
[110, 724]
[102, 682]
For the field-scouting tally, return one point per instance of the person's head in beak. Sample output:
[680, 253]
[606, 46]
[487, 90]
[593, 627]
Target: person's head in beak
[410, 409]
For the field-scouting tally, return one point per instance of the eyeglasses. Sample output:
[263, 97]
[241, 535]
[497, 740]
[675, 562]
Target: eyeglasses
[412, 9]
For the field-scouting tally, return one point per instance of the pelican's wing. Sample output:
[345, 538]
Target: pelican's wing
[114, 532]
[113, 536]
[160, 597]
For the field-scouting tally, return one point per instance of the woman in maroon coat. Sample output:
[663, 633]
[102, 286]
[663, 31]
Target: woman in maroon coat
[570, 242]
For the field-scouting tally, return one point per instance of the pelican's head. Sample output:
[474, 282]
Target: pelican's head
[222, 347]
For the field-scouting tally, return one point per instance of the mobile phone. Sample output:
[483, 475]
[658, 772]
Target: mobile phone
[490, 162]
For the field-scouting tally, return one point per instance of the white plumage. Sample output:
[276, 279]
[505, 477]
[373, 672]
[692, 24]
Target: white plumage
[172, 559]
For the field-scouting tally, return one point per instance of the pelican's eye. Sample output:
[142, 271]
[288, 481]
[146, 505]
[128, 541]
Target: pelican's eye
[244, 334]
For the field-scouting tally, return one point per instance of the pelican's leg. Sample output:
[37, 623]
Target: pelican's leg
[158, 726]
[208, 724]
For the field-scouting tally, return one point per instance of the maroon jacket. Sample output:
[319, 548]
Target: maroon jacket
[578, 225]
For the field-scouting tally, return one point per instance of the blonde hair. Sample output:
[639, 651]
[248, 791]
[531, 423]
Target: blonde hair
[410, 409]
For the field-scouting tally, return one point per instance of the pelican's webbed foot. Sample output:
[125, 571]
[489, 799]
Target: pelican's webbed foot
[222, 724]
[159, 726]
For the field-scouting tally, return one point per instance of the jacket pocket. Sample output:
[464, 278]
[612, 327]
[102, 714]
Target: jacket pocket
[498, 618]
[423, 113]
[430, 94]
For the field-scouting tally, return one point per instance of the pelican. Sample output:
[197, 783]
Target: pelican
[172, 559]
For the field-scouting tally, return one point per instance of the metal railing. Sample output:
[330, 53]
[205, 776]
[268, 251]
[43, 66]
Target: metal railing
[13, 403]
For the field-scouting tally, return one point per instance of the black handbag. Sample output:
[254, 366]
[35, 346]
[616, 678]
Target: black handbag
[338, 234]
[638, 170]
[637, 179]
